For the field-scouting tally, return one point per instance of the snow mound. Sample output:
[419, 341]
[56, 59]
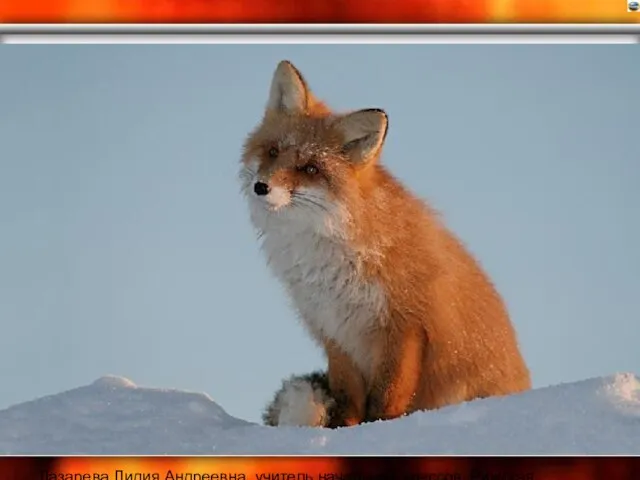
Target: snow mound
[114, 381]
[113, 416]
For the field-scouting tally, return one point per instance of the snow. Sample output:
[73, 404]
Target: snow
[114, 416]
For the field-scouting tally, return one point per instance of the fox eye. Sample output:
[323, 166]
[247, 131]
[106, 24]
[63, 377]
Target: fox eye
[309, 169]
[273, 152]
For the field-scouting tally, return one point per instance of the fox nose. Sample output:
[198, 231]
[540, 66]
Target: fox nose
[261, 188]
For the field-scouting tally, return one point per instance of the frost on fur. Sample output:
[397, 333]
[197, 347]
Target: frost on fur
[303, 401]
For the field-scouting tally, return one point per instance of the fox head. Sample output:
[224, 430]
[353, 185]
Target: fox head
[302, 165]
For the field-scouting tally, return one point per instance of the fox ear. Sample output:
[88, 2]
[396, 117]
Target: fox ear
[363, 133]
[289, 92]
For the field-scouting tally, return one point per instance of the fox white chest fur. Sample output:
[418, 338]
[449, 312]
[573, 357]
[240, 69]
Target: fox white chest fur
[322, 276]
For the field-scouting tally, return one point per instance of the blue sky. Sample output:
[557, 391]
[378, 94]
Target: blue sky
[126, 247]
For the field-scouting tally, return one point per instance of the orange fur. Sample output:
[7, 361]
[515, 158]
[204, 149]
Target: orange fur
[441, 333]
[347, 386]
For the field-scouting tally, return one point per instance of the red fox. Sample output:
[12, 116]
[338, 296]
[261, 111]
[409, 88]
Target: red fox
[406, 316]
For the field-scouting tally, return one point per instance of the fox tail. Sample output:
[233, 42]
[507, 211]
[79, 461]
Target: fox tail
[303, 401]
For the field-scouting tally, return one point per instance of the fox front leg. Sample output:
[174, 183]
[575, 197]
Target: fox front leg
[396, 375]
[347, 388]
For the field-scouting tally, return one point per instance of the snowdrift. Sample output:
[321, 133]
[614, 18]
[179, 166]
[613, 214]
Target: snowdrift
[114, 416]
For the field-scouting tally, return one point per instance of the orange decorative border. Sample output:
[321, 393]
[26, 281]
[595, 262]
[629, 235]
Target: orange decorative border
[316, 11]
[320, 468]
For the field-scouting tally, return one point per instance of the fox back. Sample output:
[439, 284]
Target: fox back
[406, 316]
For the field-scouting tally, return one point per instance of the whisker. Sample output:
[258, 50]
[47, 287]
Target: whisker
[246, 177]
[306, 201]
[311, 197]
[316, 199]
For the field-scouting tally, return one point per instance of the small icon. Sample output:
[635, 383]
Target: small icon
[633, 6]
